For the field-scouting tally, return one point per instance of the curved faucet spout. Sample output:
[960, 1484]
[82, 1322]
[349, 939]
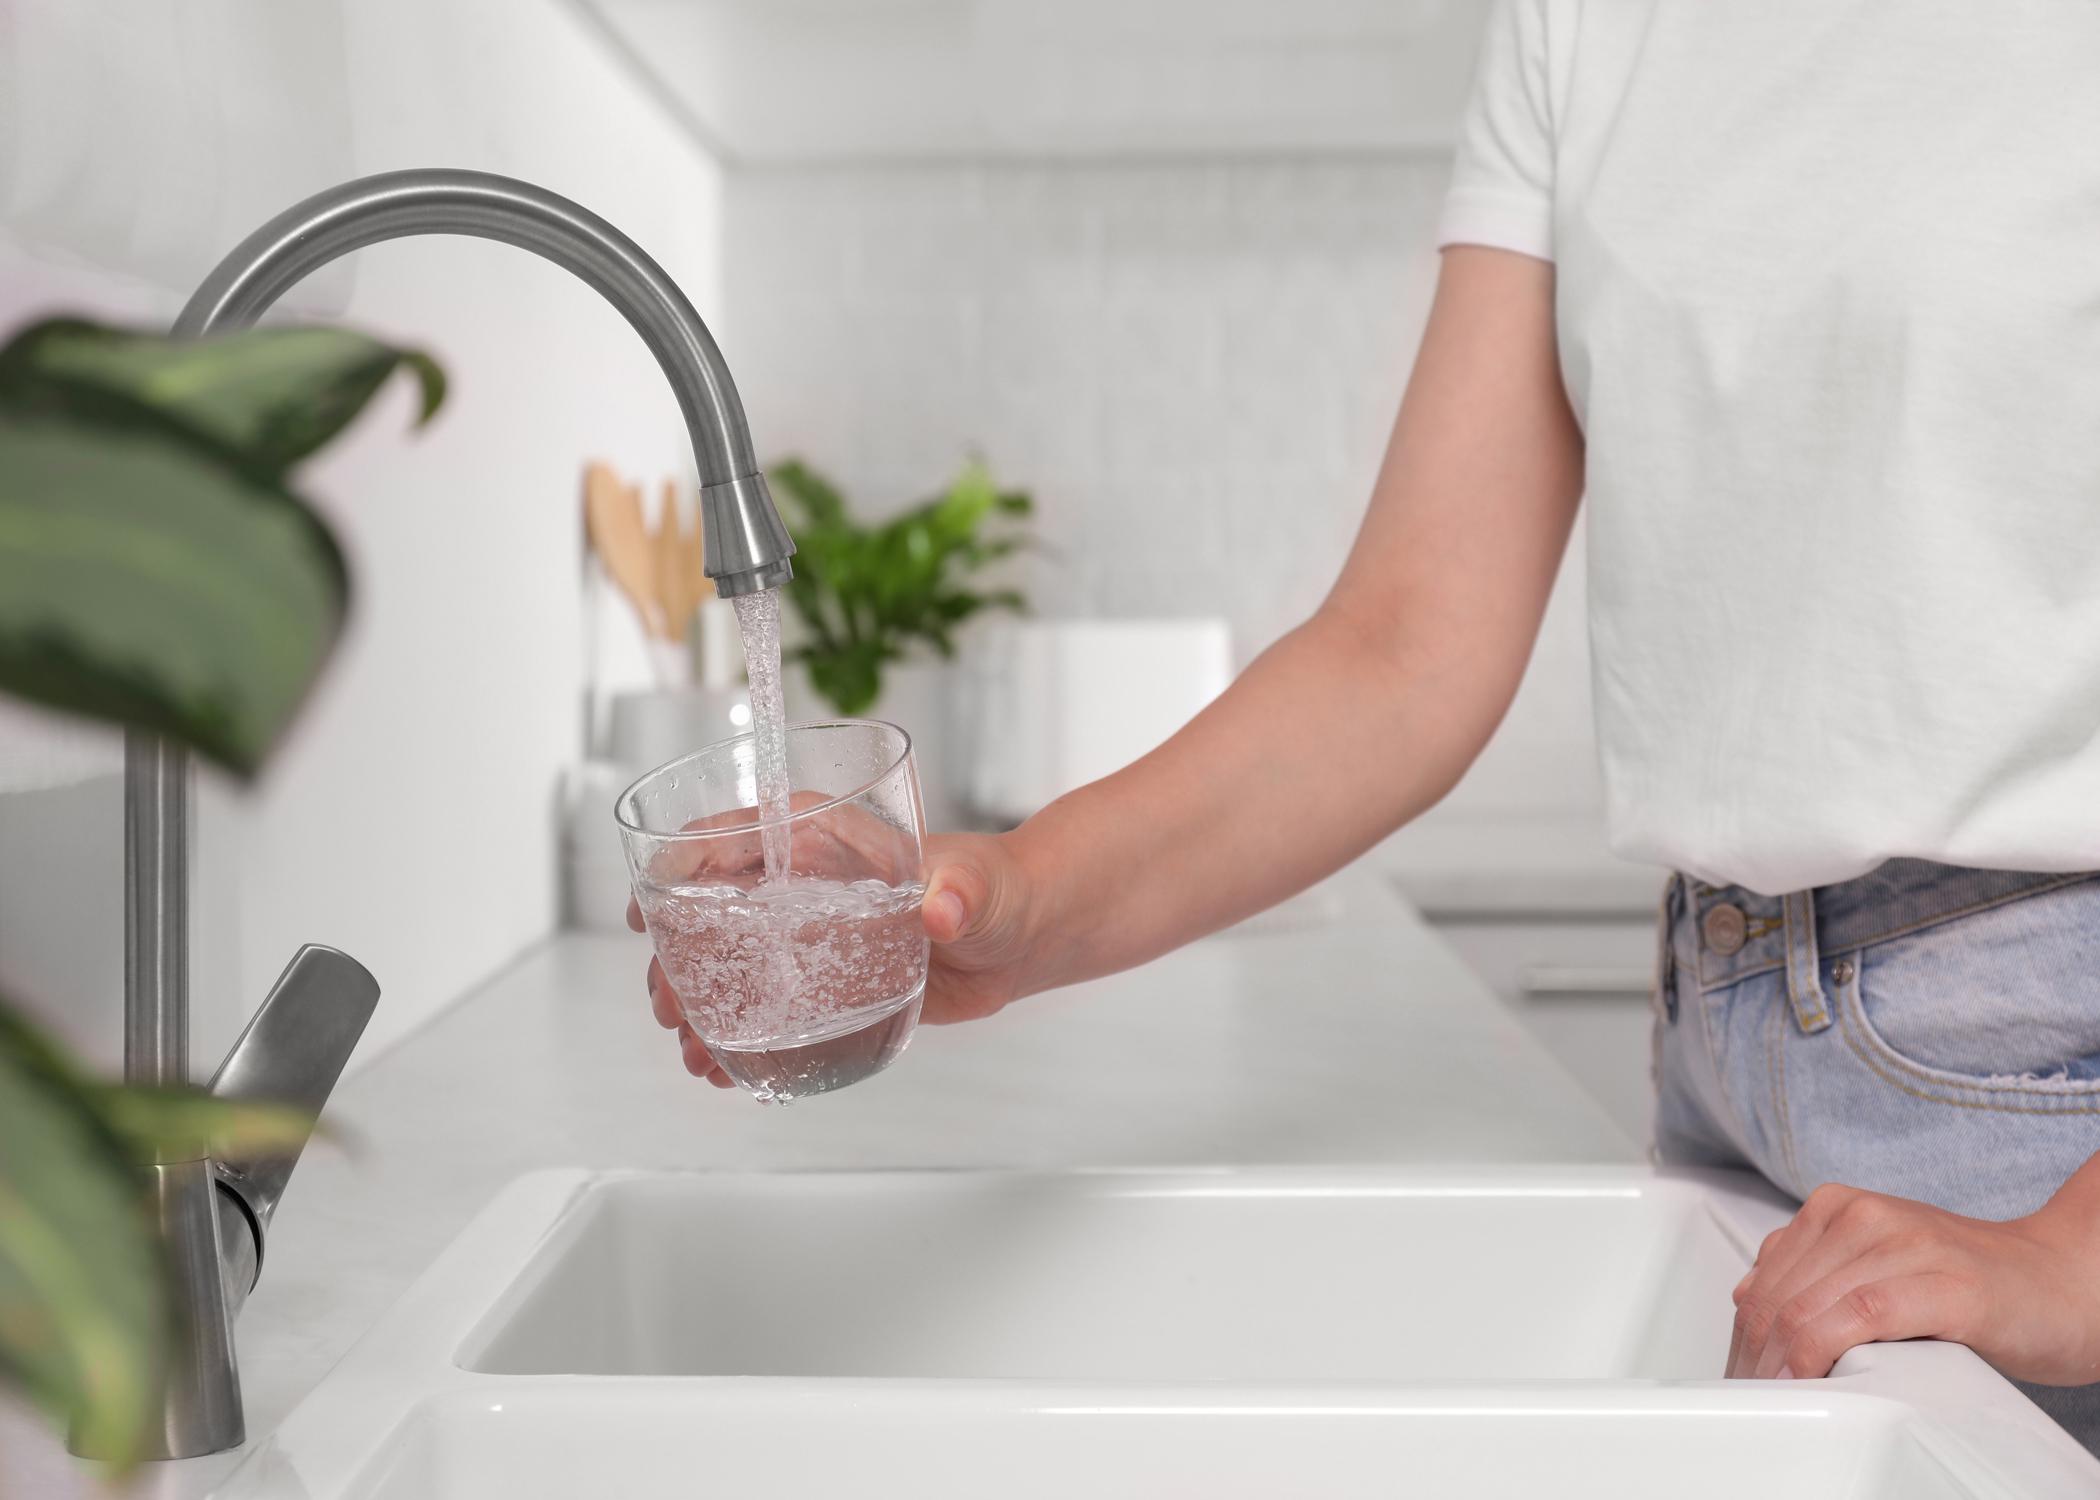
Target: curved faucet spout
[747, 547]
[212, 1217]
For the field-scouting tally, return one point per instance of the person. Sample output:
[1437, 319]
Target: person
[1804, 296]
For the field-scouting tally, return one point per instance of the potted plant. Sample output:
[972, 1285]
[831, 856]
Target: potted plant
[158, 570]
[877, 605]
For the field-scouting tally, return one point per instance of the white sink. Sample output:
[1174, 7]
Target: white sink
[1346, 1333]
[1076, 1277]
[990, 1447]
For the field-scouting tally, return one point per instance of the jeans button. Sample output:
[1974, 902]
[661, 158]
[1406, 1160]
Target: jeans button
[1724, 928]
[1841, 971]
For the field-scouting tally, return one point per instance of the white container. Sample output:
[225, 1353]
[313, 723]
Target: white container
[594, 868]
[649, 726]
[1054, 704]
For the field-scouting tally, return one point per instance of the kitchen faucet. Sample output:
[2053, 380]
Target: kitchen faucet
[213, 1215]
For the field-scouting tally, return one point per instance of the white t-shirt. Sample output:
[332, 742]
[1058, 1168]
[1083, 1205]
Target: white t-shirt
[1828, 287]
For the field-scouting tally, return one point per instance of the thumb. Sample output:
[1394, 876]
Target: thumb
[963, 889]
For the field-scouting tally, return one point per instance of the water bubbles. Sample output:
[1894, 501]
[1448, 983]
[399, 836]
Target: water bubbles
[799, 987]
[758, 619]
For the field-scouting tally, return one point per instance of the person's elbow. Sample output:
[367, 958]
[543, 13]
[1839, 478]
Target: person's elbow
[1429, 687]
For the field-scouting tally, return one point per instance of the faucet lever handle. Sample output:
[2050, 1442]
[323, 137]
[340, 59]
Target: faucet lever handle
[292, 1052]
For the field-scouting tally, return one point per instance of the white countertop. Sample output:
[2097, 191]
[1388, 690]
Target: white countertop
[1468, 864]
[1337, 1030]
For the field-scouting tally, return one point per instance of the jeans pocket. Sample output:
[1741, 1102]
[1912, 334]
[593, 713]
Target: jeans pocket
[1999, 1008]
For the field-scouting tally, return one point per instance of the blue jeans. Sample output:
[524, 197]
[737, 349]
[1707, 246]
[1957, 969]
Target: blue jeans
[1924, 1031]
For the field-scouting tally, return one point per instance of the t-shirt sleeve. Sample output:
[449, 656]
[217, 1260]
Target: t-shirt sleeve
[1502, 176]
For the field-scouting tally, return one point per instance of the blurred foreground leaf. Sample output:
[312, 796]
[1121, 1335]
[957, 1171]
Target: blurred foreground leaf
[154, 568]
[83, 1313]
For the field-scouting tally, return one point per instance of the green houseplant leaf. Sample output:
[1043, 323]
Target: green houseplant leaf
[171, 1122]
[154, 569]
[868, 596]
[144, 580]
[83, 1314]
[83, 1311]
[270, 395]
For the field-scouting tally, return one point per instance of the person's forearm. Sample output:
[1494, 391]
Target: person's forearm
[1372, 710]
[1324, 745]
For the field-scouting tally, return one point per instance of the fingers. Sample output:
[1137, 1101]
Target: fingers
[850, 843]
[1756, 1294]
[699, 1061]
[1875, 1312]
[634, 915]
[1807, 1309]
[663, 1002]
[1741, 1293]
[734, 852]
[1852, 1268]
[732, 857]
[846, 842]
[1852, 1237]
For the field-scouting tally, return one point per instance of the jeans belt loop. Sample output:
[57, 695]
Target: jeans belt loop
[1804, 964]
[1666, 945]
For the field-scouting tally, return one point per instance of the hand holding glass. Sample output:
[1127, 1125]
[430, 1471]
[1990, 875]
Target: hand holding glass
[813, 980]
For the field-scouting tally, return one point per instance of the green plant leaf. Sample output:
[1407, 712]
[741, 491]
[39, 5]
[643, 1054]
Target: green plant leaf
[83, 1307]
[849, 681]
[144, 1123]
[42, 1059]
[867, 595]
[967, 502]
[177, 1122]
[271, 396]
[83, 1316]
[816, 496]
[147, 579]
[973, 555]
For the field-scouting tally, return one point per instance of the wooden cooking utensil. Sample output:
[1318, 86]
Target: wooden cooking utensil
[613, 516]
[681, 565]
[692, 561]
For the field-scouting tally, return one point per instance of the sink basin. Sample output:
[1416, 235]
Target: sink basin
[976, 1446]
[1224, 1334]
[1114, 1276]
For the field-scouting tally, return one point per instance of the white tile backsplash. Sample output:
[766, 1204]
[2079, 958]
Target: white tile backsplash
[1193, 365]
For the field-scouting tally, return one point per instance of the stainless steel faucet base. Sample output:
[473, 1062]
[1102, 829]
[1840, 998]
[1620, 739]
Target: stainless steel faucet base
[201, 1390]
[214, 1216]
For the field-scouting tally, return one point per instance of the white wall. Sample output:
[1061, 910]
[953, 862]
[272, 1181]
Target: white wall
[410, 818]
[1194, 366]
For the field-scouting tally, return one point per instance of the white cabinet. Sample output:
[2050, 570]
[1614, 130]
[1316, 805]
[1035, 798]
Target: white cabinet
[1560, 930]
[1582, 989]
[869, 80]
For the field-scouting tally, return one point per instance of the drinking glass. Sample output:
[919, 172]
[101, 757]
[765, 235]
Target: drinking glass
[811, 979]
